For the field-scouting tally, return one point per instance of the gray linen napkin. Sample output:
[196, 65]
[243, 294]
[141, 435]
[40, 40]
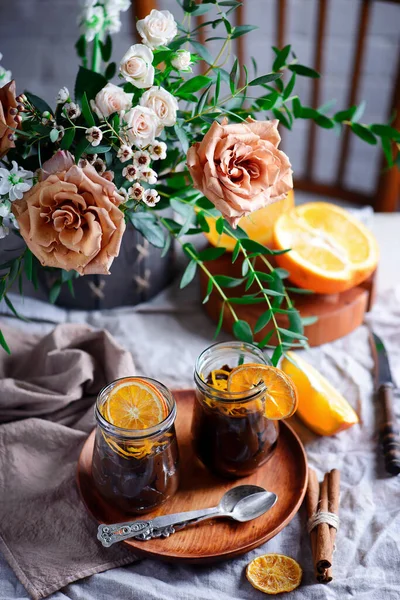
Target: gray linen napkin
[47, 391]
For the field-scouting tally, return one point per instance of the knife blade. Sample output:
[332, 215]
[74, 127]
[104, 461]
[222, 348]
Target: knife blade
[384, 388]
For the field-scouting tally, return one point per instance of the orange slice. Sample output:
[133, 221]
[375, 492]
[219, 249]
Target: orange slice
[322, 408]
[331, 251]
[135, 404]
[258, 225]
[274, 573]
[281, 395]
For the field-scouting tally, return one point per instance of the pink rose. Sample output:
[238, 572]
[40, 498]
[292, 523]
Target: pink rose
[70, 219]
[239, 168]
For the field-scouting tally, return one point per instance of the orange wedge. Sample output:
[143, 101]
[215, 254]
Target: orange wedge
[258, 225]
[331, 251]
[322, 408]
[135, 404]
[281, 395]
[274, 573]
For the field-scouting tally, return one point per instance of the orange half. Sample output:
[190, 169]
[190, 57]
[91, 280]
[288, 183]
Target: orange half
[135, 404]
[274, 573]
[281, 395]
[331, 251]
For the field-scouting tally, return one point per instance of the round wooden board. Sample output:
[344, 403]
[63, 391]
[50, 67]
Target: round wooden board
[285, 474]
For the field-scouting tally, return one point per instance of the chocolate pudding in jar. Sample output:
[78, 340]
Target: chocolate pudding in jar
[135, 458]
[231, 434]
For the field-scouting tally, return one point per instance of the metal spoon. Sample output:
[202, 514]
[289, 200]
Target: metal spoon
[241, 503]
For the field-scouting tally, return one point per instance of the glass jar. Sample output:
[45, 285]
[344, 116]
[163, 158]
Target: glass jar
[136, 470]
[231, 434]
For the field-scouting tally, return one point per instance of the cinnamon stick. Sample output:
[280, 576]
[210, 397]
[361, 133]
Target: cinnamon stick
[333, 507]
[312, 499]
[323, 553]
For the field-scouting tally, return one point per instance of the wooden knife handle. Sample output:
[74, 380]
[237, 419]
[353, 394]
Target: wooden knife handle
[390, 433]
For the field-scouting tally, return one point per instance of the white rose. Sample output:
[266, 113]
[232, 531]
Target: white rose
[181, 61]
[162, 103]
[136, 66]
[157, 29]
[142, 125]
[109, 100]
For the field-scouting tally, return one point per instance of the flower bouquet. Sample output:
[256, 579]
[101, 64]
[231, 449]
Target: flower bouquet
[162, 137]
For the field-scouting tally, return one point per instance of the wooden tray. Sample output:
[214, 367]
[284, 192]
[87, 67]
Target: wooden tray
[337, 314]
[285, 474]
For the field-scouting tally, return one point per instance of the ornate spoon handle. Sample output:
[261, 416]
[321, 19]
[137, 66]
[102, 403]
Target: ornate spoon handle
[152, 528]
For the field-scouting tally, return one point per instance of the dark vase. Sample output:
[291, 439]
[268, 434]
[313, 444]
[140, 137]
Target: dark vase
[137, 274]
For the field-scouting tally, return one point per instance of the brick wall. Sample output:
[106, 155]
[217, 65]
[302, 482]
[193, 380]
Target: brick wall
[37, 39]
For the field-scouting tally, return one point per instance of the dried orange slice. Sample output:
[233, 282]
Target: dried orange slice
[135, 404]
[281, 394]
[274, 573]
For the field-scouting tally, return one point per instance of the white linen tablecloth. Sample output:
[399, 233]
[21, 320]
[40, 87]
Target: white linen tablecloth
[165, 336]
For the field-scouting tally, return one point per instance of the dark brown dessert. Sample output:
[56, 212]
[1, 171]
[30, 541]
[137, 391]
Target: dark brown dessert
[136, 480]
[232, 439]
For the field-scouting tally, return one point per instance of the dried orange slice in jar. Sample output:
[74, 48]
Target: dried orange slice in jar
[280, 396]
[135, 404]
[274, 573]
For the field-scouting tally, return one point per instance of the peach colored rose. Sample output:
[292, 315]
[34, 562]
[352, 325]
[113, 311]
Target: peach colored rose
[7, 120]
[71, 219]
[239, 168]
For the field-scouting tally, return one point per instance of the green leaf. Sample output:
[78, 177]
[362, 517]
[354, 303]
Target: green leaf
[38, 103]
[295, 321]
[228, 282]
[220, 320]
[236, 251]
[147, 224]
[188, 274]
[242, 30]
[309, 320]
[266, 339]
[278, 352]
[201, 9]
[299, 290]
[242, 331]
[272, 292]
[387, 150]
[291, 334]
[263, 320]
[28, 260]
[253, 246]
[324, 121]
[304, 71]
[247, 299]
[80, 47]
[193, 85]
[86, 111]
[281, 57]
[90, 82]
[110, 70]
[106, 49]
[278, 114]
[217, 87]
[289, 88]
[364, 133]
[82, 146]
[386, 131]
[202, 51]
[101, 149]
[182, 137]
[202, 221]
[167, 245]
[67, 139]
[265, 79]
[210, 286]
[211, 253]
[345, 115]
[219, 225]
[233, 75]
[13, 309]
[359, 111]
[55, 291]
[245, 267]
[3, 343]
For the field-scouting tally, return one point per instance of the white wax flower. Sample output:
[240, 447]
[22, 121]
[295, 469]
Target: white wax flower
[149, 176]
[141, 159]
[136, 191]
[16, 182]
[124, 153]
[94, 135]
[63, 95]
[151, 197]
[136, 66]
[158, 151]
[157, 29]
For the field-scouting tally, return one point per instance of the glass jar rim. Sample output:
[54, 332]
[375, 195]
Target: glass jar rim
[137, 433]
[221, 395]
